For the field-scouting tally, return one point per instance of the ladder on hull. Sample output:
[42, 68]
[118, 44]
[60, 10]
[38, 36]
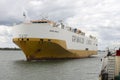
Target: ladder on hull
[111, 67]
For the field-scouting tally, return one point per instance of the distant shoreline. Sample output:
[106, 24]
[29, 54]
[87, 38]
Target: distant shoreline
[10, 49]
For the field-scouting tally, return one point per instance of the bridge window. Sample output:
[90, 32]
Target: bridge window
[86, 49]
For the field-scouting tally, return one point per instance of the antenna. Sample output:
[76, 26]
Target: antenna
[24, 14]
[26, 18]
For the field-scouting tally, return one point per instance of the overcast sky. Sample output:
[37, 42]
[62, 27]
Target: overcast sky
[100, 18]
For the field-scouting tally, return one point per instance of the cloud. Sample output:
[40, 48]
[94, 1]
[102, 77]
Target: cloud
[6, 36]
[97, 17]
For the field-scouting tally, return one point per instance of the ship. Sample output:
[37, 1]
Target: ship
[46, 39]
[111, 66]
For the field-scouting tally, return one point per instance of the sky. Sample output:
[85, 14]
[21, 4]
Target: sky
[100, 18]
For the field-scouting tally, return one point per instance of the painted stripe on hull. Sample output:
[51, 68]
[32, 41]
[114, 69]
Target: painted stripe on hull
[37, 48]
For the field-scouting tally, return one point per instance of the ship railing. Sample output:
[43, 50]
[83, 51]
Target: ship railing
[74, 30]
[60, 25]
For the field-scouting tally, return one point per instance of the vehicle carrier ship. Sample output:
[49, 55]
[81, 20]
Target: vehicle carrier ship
[45, 39]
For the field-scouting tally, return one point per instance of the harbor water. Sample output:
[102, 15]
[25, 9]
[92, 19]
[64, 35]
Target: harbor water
[13, 66]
